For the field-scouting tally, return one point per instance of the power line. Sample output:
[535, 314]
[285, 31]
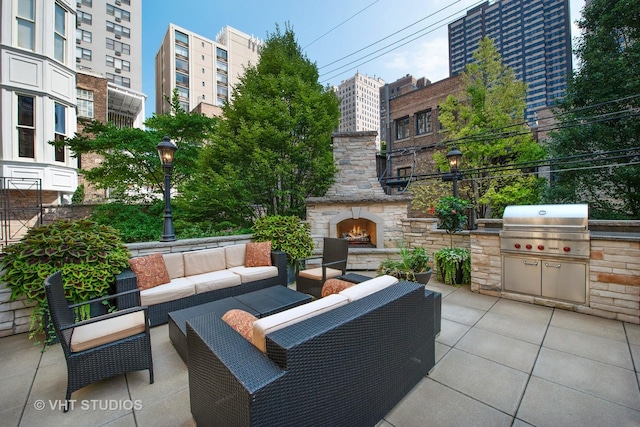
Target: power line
[438, 23]
[343, 22]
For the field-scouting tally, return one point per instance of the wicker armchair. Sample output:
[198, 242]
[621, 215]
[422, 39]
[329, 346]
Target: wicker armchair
[100, 347]
[334, 264]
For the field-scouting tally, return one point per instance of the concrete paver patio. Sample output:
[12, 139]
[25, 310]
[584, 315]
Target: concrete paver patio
[499, 363]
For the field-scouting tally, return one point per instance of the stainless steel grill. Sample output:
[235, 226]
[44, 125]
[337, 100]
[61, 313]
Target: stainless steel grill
[545, 250]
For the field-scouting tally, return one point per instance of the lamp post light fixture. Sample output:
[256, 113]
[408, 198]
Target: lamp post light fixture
[454, 156]
[166, 150]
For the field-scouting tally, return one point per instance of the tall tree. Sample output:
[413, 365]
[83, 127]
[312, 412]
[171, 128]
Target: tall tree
[273, 147]
[486, 122]
[600, 115]
[130, 162]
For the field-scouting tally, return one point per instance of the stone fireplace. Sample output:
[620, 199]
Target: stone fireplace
[355, 207]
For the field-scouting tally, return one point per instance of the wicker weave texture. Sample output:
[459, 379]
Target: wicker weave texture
[349, 366]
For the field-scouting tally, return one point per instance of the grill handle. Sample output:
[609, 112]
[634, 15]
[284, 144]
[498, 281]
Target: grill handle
[546, 264]
[530, 263]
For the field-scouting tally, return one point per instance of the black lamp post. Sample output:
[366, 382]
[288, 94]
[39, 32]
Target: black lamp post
[166, 149]
[454, 157]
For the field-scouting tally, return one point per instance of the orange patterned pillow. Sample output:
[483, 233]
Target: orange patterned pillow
[258, 254]
[334, 286]
[241, 322]
[150, 271]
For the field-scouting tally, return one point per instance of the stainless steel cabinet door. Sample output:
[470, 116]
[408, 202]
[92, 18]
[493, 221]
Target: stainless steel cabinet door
[521, 275]
[564, 280]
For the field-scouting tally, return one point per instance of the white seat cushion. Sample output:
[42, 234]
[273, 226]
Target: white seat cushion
[177, 288]
[316, 273]
[94, 334]
[368, 287]
[251, 274]
[214, 280]
[262, 327]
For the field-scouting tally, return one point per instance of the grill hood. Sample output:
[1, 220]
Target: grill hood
[571, 218]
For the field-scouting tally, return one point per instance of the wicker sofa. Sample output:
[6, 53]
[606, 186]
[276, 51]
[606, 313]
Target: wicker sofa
[201, 276]
[347, 366]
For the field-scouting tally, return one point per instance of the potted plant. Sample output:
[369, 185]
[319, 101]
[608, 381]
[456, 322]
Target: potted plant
[89, 256]
[288, 234]
[412, 265]
[454, 264]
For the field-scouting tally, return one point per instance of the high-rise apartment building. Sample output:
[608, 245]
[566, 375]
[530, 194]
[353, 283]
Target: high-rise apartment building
[533, 37]
[202, 70]
[109, 44]
[360, 104]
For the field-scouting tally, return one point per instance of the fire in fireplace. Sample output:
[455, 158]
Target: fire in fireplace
[359, 232]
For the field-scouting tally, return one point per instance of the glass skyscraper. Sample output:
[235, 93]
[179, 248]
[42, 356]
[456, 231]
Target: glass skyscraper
[533, 37]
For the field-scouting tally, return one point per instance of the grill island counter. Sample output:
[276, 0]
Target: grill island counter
[545, 251]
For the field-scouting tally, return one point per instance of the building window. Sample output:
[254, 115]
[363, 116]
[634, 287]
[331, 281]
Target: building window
[118, 46]
[403, 172]
[119, 80]
[83, 18]
[402, 128]
[423, 123]
[26, 127]
[83, 35]
[118, 13]
[182, 51]
[182, 65]
[182, 79]
[118, 64]
[60, 33]
[182, 38]
[83, 53]
[84, 3]
[221, 53]
[60, 130]
[118, 30]
[26, 24]
[183, 92]
[85, 103]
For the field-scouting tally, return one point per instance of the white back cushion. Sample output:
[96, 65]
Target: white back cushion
[266, 325]
[235, 255]
[174, 264]
[204, 261]
[368, 287]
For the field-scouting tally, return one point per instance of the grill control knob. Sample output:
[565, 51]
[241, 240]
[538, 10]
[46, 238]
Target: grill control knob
[517, 246]
[566, 249]
[528, 246]
[540, 247]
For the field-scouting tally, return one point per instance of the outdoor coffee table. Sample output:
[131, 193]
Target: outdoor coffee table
[260, 303]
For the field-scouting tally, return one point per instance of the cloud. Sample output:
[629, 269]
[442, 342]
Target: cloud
[428, 59]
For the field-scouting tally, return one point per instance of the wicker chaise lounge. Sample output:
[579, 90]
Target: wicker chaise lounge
[348, 366]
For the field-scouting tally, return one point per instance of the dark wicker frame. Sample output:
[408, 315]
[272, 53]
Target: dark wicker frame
[159, 313]
[334, 255]
[348, 366]
[88, 366]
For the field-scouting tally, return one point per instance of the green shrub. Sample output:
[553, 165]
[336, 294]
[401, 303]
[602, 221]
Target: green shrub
[136, 223]
[88, 254]
[287, 234]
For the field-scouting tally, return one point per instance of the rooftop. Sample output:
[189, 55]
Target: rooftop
[499, 363]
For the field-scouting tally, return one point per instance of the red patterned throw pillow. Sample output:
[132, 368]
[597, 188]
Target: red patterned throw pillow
[334, 286]
[241, 322]
[150, 271]
[258, 254]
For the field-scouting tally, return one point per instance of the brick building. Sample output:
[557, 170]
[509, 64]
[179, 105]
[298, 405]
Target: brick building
[415, 132]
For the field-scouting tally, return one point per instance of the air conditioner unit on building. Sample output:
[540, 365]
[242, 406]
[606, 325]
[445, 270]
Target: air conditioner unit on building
[118, 2]
[118, 70]
[78, 60]
[118, 53]
[118, 36]
[117, 19]
[78, 41]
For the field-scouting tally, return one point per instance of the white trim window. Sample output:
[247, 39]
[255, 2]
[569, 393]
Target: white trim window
[85, 103]
[60, 115]
[26, 18]
[26, 126]
[60, 33]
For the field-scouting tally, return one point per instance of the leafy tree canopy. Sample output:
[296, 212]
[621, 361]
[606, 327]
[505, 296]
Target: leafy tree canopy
[273, 148]
[486, 120]
[130, 159]
[600, 114]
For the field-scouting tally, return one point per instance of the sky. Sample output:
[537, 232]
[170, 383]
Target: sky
[380, 38]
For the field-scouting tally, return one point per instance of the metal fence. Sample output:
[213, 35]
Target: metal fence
[20, 207]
